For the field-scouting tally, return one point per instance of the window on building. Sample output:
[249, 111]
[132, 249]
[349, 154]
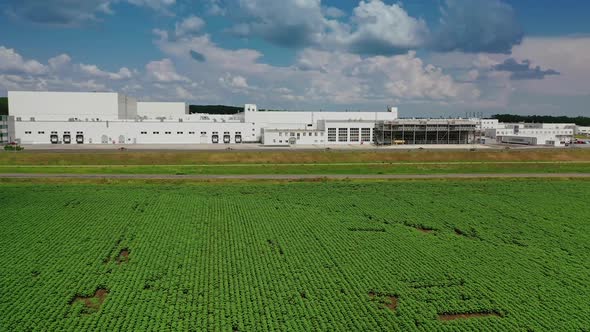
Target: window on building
[331, 134]
[156, 132]
[292, 134]
[191, 132]
[41, 132]
[179, 132]
[354, 134]
[168, 133]
[280, 133]
[66, 132]
[304, 134]
[342, 134]
[274, 140]
[54, 132]
[144, 132]
[366, 134]
[27, 132]
[315, 134]
[205, 133]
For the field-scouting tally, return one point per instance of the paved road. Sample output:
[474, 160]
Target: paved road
[293, 176]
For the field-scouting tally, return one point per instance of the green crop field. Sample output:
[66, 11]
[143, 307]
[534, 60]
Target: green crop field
[471, 255]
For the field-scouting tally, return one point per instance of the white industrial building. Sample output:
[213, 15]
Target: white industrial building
[555, 134]
[113, 118]
[582, 130]
[4, 134]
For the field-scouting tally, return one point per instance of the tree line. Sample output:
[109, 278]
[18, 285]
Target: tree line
[579, 120]
[3, 106]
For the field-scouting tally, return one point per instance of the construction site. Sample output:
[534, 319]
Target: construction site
[425, 131]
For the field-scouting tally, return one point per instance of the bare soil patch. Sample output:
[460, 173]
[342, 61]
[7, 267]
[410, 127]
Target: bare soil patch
[123, 256]
[447, 316]
[92, 303]
[425, 230]
[388, 301]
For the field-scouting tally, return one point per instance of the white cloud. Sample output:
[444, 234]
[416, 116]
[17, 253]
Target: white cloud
[238, 82]
[75, 13]
[93, 70]
[59, 62]
[164, 71]
[333, 12]
[384, 29]
[570, 56]
[189, 25]
[11, 61]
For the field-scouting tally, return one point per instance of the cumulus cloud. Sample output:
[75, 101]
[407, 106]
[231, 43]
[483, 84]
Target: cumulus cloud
[164, 71]
[384, 29]
[73, 12]
[291, 23]
[377, 28]
[317, 76]
[189, 26]
[12, 62]
[93, 70]
[333, 12]
[523, 70]
[237, 82]
[477, 26]
[374, 28]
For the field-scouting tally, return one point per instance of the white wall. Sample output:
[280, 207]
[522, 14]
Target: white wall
[543, 133]
[132, 132]
[154, 110]
[63, 105]
[346, 132]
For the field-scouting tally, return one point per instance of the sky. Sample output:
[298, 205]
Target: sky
[432, 58]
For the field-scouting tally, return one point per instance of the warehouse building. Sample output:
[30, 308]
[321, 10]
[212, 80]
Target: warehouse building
[113, 118]
[555, 134]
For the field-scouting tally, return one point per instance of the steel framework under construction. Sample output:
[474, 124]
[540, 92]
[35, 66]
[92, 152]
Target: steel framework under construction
[426, 131]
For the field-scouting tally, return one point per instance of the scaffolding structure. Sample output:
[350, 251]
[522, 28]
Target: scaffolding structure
[425, 131]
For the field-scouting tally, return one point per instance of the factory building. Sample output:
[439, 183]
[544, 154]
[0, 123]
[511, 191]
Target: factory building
[582, 130]
[113, 118]
[555, 134]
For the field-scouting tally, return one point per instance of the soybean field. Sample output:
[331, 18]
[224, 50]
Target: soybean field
[452, 255]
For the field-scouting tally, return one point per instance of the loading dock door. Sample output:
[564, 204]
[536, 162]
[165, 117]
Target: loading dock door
[67, 139]
[226, 139]
[215, 139]
[80, 139]
[238, 139]
[54, 139]
[104, 139]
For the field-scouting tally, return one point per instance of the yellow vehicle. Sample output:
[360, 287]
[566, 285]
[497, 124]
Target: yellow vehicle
[398, 142]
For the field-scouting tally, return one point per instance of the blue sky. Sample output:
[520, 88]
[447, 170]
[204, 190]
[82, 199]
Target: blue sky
[429, 57]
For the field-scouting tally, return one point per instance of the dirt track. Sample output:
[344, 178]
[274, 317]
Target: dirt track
[292, 176]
